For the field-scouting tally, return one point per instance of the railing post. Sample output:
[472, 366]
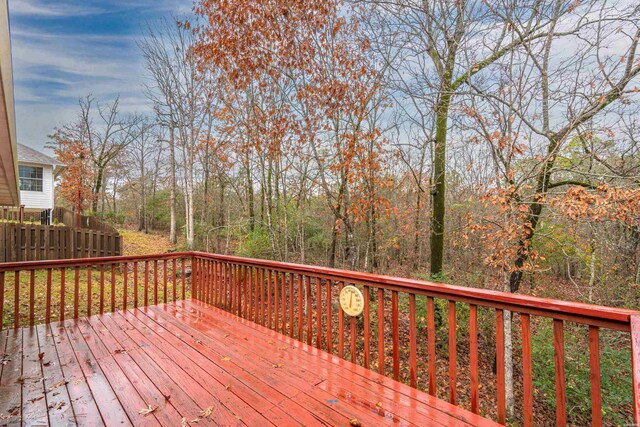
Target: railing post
[635, 363]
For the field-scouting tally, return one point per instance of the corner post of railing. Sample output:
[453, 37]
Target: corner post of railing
[635, 364]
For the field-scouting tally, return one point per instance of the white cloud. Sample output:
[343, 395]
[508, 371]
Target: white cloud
[38, 8]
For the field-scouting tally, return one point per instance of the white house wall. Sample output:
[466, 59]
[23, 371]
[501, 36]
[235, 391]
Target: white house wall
[37, 199]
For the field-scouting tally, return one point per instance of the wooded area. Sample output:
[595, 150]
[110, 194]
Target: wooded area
[487, 144]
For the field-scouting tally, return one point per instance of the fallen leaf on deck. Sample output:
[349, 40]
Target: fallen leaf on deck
[228, 386]
[226, 359]
[41, 355]
[198, 341]
[183, 422]
[147, 410]
[58, 384]
[355, 423]
[120, 351]
[47, 363]
[207, 412]
[226, 335]
[277, 365]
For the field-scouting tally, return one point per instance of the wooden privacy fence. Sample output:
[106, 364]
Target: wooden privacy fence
[302, 302]
[70, 218]
[31, 242]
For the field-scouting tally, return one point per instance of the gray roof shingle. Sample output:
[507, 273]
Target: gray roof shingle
[29, 155]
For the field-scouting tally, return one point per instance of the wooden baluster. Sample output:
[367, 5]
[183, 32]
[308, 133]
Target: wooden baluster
[413, 350]
[113, 288]
[174, 265]
[381, 331]
[527, 375]
[247, 292]
[62, 293]
[194, 278]
[135, 284]
[329, 318]
[283, 288]
[101, 288]
[236, 290]
[221, 287]
[260, 294]
[453, 360]
[500, 381]
[352, 337]
[558, 351]
[1, 300]
[367, 331]
[635, 365]
[76, 291]
[232, 284]
[395, 334]
[318, 313]
[431, 345]
[594, 365]
[155, 282]
[183, 279]
[473, 356]
[242, 301]
[125, 290]
[269, 284]
[283, 306]
[276, 311]
[250, 298]
[89, 291]
[16, 300]
[291, 305]
[146, 283]
[227, 286]
[32, 296]
[307, 281]
[206, 279]
[340, 325]
[164, 280]
[300, 295]
[48, 298]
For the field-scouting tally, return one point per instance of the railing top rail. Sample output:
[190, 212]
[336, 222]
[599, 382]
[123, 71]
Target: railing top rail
[73, 262]
[549, 306]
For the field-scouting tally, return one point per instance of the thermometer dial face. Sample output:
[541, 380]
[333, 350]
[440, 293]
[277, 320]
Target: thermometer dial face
[351, 300]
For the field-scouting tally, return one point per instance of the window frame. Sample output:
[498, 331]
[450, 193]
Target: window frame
[31, 179]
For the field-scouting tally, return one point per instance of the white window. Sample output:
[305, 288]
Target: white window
[30, 178]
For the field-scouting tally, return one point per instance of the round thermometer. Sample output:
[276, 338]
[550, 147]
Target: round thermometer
[351, 300]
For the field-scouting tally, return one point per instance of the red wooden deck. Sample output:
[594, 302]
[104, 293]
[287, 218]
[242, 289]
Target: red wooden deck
[192, 363]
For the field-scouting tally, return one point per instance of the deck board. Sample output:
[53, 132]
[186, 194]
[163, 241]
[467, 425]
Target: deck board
[195, 364]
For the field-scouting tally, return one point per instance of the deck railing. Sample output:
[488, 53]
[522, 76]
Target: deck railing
[46, 291]
[302, 302]
[410, 330]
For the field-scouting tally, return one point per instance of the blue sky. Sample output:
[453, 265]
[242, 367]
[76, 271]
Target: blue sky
[66, 49]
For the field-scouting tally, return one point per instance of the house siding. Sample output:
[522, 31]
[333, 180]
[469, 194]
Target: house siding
[37, 199]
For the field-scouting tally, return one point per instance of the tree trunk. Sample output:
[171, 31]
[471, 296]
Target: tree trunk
[439, 183]
[252, 214]
[173, 238]
[97, 187]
